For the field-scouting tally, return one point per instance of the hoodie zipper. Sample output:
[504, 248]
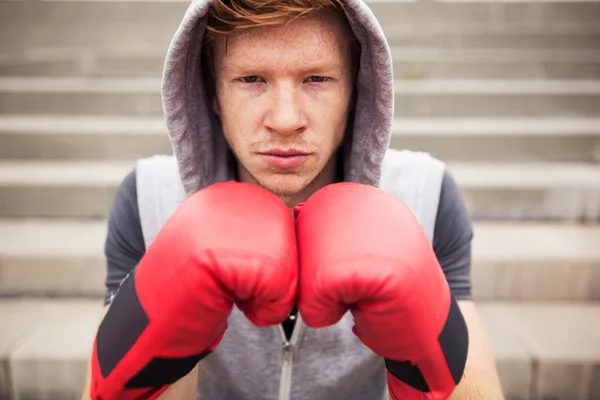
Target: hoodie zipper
[285, 384]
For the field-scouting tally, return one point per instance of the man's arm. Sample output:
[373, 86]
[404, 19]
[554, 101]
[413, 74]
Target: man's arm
[184, 389]
[452, 244]
[480, 380]
[124, 248]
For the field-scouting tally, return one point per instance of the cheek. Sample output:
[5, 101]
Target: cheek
[335, 117]
[236, 118]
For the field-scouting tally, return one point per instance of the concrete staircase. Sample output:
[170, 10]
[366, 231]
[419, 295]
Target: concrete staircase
[506, 92]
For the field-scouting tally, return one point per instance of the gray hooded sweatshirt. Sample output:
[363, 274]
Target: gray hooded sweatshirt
[261, 363]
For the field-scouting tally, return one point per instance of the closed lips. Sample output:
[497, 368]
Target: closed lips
[285, 158]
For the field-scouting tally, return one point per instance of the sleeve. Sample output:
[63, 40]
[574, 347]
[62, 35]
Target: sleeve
[124, 245]
[452, 238]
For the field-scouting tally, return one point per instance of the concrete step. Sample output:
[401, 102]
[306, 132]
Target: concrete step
[535, 261]
[82, 62]
[500, 139]
[419, 98]
[509, 63]
[530, 191]
[60, 188]
[543, 350]
[45, 346]
[409, 63]
[52, 258]
[100, 96]
[450, 139]
[123, 25]
[511, 261]
[57, 137]
[522, 35]
[156, 36]
[493, 14]
[139, 14]
[497, 98]
[558, 191]
[150, 24]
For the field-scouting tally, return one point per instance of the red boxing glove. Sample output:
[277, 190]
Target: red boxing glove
[362, 250]
[229, 243]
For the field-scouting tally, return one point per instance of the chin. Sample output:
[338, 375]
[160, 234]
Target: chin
[290, 184]
[284, 185]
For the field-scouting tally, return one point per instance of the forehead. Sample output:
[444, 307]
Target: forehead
[320, 37]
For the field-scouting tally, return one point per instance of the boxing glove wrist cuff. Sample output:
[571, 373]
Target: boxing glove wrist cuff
[454, 343]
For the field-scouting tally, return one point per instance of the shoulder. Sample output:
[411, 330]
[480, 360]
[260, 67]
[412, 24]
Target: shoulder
[124, 246]
[418, 177]
[397, 161]
[160, 192]
[452, 239]
[125, 208]
[415, 178]
[126, 194]
[426, 186]
[452, 219]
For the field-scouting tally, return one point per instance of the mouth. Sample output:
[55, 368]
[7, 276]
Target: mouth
[285, 159]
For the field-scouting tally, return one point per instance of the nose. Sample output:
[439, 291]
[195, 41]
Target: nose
[286, 116]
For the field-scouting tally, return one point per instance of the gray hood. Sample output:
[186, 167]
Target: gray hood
[195, 131]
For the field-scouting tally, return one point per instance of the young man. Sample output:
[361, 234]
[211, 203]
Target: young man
[293, 99]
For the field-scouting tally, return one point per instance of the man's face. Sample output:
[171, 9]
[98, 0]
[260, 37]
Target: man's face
[283, 96]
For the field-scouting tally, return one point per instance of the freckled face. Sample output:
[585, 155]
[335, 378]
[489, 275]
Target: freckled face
[283, 95]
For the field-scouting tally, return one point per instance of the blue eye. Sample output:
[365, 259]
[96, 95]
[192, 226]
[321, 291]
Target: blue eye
[250, 79]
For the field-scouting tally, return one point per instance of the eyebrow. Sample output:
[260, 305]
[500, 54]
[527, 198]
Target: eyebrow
[249, 70]
[334, 66]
